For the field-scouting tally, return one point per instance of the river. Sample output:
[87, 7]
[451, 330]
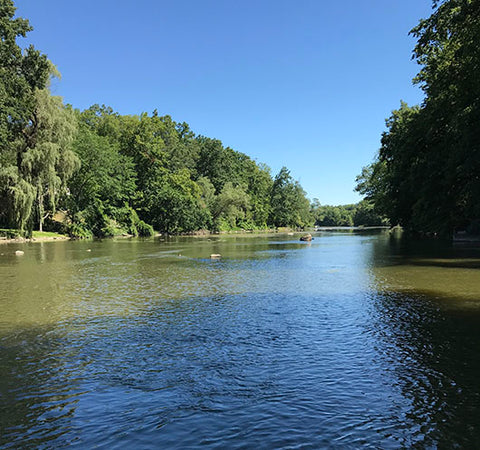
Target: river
[352, 340]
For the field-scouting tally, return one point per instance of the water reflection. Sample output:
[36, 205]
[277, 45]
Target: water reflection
[427, 321]
[431, 355]
[434, 268]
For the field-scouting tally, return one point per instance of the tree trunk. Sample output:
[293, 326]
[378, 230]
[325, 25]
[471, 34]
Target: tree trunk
[40, 210]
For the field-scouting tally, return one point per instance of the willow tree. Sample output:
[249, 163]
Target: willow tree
[49, 163]
[231, 206]
[22, 72]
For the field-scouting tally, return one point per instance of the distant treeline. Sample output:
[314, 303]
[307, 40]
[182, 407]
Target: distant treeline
[360, 214]
[96, 172]
[426, 176]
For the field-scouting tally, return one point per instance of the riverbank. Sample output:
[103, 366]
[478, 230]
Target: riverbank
[37, 237]
[50, 236]
[359, 228]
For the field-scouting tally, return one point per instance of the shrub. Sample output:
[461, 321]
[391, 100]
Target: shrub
[144, 229]
[78, 231]
[9, 233]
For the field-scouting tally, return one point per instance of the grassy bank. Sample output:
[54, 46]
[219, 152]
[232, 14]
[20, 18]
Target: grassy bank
[11, 235]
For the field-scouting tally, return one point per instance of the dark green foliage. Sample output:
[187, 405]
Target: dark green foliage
[78, 231]
[22, 73]
[172, 179]
[334, 216]
[217, 163]
[289, 205]
[144, 229]
[365, 215]
[258, 183]
[9, 233]
[158, 167]
[104, 174]
[104, 185]
[427, 174]
[172, 203]
[361, 214]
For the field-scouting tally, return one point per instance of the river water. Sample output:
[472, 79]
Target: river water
[352, 340]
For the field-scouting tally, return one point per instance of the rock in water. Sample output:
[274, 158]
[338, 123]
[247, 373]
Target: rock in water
[306, 237]
[215, 256]
[19, 253]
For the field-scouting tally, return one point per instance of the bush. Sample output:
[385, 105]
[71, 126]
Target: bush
[78, 231]
[144, 229]
[110, 230]
[9, 233]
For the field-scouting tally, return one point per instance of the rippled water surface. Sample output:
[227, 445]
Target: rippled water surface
[351, 340]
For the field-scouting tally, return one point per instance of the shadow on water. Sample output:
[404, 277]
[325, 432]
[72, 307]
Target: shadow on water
[453, 262]
[426, 318]
[431, 355]
[435, 253]
[434, 269]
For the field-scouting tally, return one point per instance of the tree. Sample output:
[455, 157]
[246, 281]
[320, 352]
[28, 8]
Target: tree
[393, 181]
[259, 187]
[366, 215]
[206, 201]
[103, 188]
[213, 162]
[448, 49]
[172, 203]
[427, 173]
[230, 206]
[334, 216]
[48, 165]
[289, 204]
[21, 74]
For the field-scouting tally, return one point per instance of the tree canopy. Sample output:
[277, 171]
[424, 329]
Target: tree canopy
[426, 176]
[22, 75]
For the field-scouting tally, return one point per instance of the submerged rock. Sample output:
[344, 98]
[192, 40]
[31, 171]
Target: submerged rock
[306, 237]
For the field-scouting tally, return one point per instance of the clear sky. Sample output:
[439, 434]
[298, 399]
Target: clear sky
[301, 83]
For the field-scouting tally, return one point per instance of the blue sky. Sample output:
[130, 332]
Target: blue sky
[305, 84]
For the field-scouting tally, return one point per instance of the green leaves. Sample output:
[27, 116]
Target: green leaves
[22, 77]
[231, 206]
[426, 176]
[20, 74]
[289, 205]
